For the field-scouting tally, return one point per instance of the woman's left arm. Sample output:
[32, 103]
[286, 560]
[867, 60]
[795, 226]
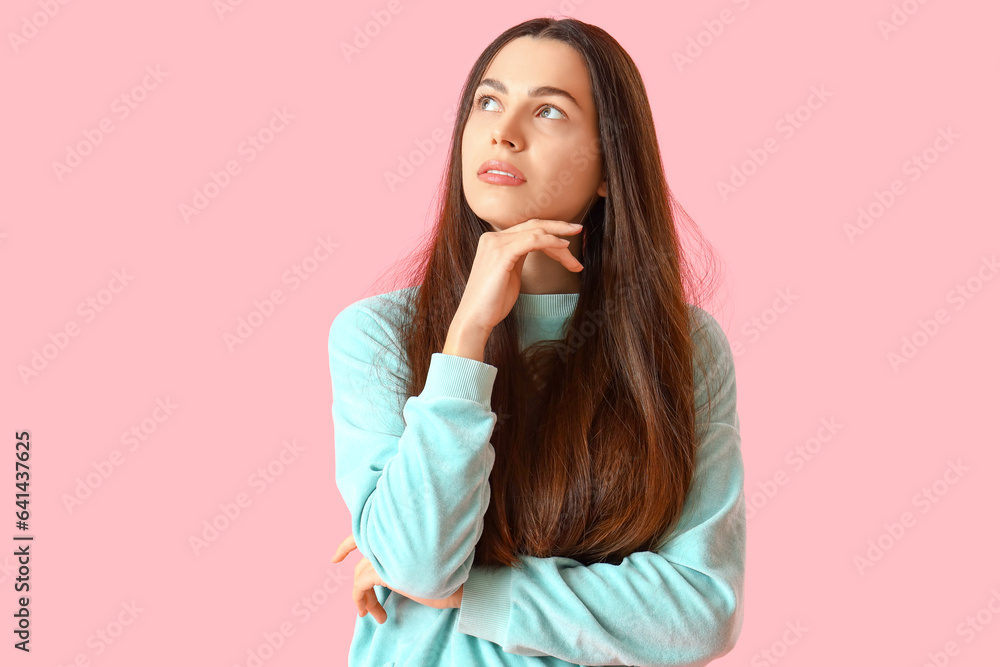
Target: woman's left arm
[681, 605]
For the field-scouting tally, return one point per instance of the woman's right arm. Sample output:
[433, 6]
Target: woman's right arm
[416, 484]
[418, 487]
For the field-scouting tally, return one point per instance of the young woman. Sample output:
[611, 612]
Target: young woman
[538, 442]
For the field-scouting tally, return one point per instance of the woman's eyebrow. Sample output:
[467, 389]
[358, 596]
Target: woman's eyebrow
[538, 91]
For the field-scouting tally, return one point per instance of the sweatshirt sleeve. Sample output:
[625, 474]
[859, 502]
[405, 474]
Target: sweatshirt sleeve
[681, 605]
[417, 483]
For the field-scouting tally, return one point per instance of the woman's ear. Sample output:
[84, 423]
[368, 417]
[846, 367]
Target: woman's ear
[602, 189]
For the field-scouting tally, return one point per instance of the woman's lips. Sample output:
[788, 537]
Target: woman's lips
[500, 179]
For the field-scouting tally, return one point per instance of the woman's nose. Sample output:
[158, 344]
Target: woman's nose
[505, 132]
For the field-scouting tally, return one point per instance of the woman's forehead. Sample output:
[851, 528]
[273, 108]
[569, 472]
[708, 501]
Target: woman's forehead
[529, 62]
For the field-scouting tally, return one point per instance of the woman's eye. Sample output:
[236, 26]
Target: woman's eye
[546, 108]
[480, 99]
[552, 108]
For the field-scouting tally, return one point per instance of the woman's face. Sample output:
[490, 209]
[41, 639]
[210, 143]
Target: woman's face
[549, 138]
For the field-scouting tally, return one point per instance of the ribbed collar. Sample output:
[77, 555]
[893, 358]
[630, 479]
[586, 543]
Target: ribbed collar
[546, 305]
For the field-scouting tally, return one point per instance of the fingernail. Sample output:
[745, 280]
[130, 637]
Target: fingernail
[576, 225]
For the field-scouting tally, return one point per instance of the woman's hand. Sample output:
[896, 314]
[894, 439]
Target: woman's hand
[495, 280]
[365, 580]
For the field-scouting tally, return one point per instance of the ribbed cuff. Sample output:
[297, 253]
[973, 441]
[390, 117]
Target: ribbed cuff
[459, 377]
[485, 609]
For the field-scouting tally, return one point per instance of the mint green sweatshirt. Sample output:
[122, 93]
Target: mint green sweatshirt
[417, 486]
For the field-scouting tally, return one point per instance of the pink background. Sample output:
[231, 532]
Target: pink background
[320, 178]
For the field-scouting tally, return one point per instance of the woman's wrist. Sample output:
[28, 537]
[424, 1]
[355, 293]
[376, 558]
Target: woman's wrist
[466, 340]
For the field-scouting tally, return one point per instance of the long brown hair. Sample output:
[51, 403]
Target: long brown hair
[595, 436]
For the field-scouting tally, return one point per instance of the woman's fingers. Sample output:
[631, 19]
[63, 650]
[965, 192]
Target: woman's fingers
[550, 244]
[495, 279]
[372, 605]
[554, 226]
[365, 580]
[565, 257]
[358, 595]
[346, 547]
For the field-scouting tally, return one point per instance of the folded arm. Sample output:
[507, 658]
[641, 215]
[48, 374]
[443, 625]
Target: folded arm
[681, 605]
[416, 484]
